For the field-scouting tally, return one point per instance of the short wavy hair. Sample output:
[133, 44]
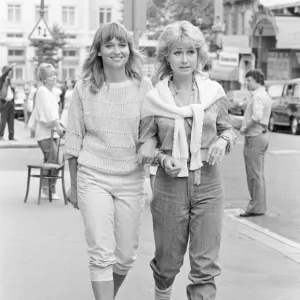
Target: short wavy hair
[93, 71]
[43, 71]
[257, 75]
[176, 33]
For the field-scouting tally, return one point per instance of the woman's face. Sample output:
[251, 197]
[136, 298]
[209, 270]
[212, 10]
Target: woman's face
[51, 77]
[183, 59]
[115, 54]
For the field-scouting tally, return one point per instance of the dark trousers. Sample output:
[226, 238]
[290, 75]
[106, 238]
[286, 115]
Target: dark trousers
[7, 116]
[254, 154]
[183, 212]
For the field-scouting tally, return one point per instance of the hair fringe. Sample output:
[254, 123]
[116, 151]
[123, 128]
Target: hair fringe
[93, 71]
[179, 32]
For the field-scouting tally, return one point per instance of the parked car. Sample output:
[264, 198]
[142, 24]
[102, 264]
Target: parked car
[19, 103]
[237, 101]
[286, 109]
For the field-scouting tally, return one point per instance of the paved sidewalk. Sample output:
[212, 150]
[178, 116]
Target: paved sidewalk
[43, 255]
[22, 136]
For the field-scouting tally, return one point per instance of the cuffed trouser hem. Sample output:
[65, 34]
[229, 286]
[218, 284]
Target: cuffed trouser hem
[163, 294]
[101, 274]
[119, 271]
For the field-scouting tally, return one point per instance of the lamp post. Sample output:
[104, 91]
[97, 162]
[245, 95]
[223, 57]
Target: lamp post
[41, 43]
[259, 47]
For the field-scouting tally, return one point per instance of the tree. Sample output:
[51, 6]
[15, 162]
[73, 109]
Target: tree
[163, 12]
[50, 51]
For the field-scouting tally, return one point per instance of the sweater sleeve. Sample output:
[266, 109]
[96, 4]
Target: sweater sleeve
[47, 106]
[76, 129]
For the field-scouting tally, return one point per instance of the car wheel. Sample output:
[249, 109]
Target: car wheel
[272, 126]
[295, 126]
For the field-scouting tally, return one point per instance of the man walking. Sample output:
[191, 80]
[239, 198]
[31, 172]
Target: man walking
[7, 103]
[254, 128]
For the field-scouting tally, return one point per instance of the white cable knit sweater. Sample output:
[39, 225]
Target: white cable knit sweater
[103, 128]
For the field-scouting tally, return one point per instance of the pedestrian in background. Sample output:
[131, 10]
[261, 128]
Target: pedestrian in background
[186, 113]
[7, 94]
[66, 102]
[100, 144]
[44, 118]
[254, 128]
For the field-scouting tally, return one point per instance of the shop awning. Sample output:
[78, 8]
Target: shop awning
[287, 32]
[224, 73]
[278, 4]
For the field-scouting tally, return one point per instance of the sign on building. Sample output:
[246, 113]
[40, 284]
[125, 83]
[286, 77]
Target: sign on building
[41, 32]
[229, 59]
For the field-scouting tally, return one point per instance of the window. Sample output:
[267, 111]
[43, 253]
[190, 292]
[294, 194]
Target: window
[14, 13]
[18, 73]
[296, 91]
[70, 36]
[68, 73]
[37, 13]
[242, 20]
[15, 52]
[104, 15]
[68, 15]
[14, 35]
[69, 53]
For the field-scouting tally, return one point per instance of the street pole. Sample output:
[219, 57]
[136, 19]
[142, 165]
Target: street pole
[259, 48]
[134, 24]
[41, 43]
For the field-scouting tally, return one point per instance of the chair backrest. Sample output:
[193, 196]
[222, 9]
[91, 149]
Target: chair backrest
[58, 147]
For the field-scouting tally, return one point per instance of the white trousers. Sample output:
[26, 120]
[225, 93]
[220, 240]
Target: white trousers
[112, 208]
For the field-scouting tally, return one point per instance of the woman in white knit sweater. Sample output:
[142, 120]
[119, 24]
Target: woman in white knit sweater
[106, 180]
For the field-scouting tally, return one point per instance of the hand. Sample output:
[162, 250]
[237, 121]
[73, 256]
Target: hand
[146, 153]
[13, 65]
[73, 196]
[243, 130]
[172, 166]
[216, 151]
[60, 131]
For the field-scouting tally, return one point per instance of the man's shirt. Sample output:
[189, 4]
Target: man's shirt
[258, 110]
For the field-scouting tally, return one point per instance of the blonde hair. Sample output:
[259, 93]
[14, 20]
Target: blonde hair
[93, 71]
[43, 71]
[179, 32]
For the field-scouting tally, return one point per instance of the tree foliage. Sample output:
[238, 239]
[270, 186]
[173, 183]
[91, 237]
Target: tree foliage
[50, 49]
[163, 12]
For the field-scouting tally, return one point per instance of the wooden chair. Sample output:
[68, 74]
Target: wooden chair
[48, 167]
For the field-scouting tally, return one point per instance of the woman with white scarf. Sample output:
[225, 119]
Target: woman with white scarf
[185, 117]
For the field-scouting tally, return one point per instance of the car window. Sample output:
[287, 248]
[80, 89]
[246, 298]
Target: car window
[275, 90]
[296, 91]
[288, 90]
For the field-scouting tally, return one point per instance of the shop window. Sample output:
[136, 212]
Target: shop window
[68, 73]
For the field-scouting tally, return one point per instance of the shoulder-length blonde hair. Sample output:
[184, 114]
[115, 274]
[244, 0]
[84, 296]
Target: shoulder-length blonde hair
[93, 71]
[182, 32]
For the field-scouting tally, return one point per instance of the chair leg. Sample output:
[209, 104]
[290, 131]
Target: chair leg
[63, 185]
[28, 184]
[40, 187]
[50, 189]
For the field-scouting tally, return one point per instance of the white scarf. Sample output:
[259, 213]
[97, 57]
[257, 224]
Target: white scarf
[160, 102]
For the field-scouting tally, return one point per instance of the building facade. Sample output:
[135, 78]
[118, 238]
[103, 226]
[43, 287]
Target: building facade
[78, 19]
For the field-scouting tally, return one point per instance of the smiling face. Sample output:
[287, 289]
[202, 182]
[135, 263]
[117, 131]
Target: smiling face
[114, 54]
[183, 59]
